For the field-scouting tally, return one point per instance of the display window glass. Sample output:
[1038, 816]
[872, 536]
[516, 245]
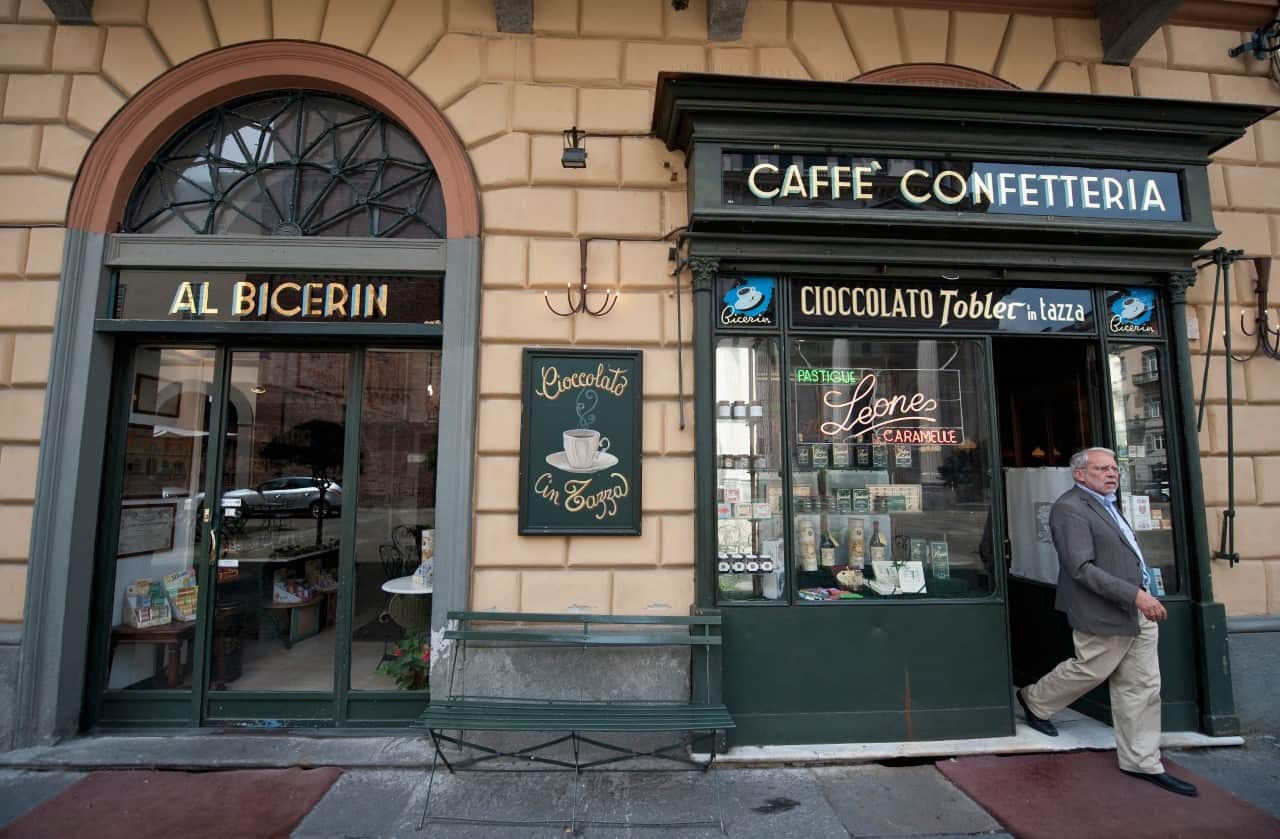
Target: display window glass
[1136, 387]
[750, 523]
[889, 471]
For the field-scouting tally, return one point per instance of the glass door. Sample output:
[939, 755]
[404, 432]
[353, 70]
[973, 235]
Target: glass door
[268, 578]
[146, 601]
[278, 529]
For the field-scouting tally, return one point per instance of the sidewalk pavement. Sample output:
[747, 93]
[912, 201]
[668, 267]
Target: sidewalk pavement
[909, 798]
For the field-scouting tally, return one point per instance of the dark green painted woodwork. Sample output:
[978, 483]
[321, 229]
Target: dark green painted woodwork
[308, 709]
[773, 655]
[606, 399]
[867, 673]
[398, 709]
[704, 114]
[1039, 636]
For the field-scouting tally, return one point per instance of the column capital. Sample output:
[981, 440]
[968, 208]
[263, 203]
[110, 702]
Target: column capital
[1179, 282]
[704, 270]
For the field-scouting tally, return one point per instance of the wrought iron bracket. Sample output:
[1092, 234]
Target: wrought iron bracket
[1223, 259]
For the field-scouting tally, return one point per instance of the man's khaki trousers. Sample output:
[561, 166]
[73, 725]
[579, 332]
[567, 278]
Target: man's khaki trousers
[1134, 669]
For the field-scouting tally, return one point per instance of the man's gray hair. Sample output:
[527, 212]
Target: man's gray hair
[1080, 460]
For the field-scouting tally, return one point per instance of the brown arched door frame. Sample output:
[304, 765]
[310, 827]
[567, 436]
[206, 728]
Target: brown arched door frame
[116, 158]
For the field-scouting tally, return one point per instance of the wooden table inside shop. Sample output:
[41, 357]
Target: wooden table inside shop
[168, 640]
[281, 616]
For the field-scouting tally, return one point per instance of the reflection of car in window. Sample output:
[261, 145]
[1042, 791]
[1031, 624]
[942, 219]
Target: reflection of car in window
[289, 495]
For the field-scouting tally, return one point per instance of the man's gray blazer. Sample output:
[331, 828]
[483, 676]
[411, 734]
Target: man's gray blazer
[1099, 574]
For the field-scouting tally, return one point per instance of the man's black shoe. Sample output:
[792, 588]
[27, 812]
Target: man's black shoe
[1167, 781]
[1037, 723]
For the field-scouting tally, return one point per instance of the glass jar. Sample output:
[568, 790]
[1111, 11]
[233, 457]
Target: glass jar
[739, 410]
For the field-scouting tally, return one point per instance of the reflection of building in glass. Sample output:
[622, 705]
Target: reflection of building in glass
[1139, 421]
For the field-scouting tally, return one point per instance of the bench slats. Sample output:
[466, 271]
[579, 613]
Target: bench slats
[581, 639]
[535, 617]
[498, 715]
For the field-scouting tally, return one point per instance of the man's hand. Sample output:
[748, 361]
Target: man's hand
[1149, 606]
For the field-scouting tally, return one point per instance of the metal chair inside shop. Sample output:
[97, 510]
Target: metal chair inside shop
[405, 540]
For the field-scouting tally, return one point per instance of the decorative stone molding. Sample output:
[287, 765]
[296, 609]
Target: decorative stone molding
[121, 150]
[934, 75]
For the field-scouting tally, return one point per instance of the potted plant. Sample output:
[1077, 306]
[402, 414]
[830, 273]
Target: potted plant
[409, 661]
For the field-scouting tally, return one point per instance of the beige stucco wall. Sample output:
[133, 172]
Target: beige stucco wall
[592, 63]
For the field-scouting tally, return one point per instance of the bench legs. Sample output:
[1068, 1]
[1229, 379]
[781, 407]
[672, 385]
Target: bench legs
[576, 739]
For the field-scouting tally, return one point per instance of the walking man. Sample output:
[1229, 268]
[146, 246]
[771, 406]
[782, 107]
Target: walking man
[1102, 586]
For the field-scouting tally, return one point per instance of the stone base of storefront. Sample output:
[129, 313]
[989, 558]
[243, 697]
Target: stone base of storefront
[9, 651]
[206, 749]
[1255, 671]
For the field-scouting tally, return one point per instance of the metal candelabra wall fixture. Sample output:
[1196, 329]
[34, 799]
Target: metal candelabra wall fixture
[1268, 338]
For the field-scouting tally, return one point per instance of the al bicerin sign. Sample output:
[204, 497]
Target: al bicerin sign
[841, 181]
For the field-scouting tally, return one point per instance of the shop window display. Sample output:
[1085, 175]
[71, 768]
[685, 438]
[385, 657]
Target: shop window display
[890, 483]
[750, 533]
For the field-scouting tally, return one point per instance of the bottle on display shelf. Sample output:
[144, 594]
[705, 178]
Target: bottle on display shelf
[877, 548]
[808, 547]
[856, 540]
[880, 456]
[828, 546]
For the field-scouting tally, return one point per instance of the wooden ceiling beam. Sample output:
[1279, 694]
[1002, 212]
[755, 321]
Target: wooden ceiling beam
[1128, 24]
[77, 12]
[724, 19]
[514, 15]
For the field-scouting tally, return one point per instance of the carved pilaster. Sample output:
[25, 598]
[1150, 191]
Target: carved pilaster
[1178, 284]
[704, 270]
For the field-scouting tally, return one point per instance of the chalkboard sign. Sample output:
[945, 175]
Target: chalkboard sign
[580, 442]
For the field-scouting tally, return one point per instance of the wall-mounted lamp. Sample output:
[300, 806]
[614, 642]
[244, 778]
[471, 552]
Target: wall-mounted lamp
[574, 155]
[1262, 43]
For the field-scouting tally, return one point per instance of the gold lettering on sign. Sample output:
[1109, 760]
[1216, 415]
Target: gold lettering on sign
[184, 300]
[242, 296]
[275, 300]
[612, 380]
[578, 494]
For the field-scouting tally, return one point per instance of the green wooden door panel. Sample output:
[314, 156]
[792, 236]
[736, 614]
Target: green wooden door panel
[867, 673]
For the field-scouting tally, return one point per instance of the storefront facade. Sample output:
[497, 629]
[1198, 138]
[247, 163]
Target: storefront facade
[343, 366]
[907, 321]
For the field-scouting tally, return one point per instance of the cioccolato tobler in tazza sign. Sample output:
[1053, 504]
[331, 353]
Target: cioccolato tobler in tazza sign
[851, 182]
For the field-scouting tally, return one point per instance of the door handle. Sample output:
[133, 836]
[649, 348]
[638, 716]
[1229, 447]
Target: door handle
[213, 547]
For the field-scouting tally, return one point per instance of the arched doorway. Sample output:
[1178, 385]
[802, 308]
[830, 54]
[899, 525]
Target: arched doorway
[325, 187]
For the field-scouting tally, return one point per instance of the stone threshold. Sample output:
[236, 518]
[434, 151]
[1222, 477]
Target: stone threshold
[1075, 732]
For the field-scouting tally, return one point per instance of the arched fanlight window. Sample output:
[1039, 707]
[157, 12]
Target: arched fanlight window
[296, 163]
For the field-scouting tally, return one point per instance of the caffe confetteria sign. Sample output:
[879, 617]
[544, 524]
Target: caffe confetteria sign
[852, 182]
[580, 442]
[854, 305]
